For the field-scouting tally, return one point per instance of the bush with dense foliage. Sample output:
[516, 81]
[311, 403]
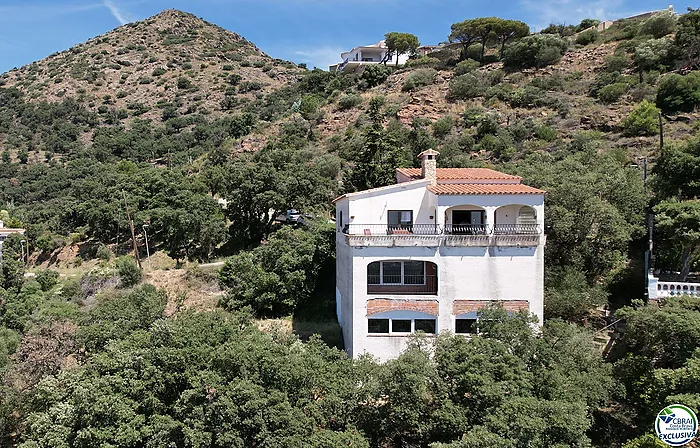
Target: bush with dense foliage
[643, 120]
[612, 92]
[655, 54]
[350, 101]
[419, 78]
[679, 93]
[466, 66]
[537, 50]
[274, 278]
[374, 75]
[659, 25]
[587, 37]
[128, 271]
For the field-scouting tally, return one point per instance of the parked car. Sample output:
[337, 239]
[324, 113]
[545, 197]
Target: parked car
[293, 216]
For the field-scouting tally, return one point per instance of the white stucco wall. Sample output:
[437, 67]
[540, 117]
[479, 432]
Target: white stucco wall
[464, 273]
[377, 55]
[372, 208]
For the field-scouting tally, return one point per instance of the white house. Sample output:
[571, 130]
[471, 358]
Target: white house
[5, 232]
[359, 57]
[430, 251]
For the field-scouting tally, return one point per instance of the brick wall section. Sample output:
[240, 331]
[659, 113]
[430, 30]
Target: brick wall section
[470, 306]
[375, 306]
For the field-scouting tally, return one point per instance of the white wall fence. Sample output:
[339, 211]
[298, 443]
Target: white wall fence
[660, 290]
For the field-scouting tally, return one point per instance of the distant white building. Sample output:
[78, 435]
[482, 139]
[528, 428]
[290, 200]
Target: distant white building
[430, 251]
[5, 232]
[359, 57]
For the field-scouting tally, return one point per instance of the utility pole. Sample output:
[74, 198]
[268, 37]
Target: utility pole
[661, 134]
[133, 235]
[148, 252]
[647, 253]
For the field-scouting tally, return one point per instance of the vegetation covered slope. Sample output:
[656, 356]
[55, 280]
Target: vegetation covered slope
[99, 360]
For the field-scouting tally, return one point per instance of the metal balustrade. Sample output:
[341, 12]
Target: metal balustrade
[516, 229]
[434, 229]
[466, 229]
[383, 229]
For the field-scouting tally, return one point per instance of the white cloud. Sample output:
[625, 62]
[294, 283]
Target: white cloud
[321, 56]
[118, 14]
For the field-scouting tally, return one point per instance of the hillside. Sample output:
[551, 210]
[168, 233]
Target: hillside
[172, 62]
[177, 142]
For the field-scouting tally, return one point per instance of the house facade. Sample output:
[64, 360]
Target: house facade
[429, 252]
[5, 233]
[359, 57]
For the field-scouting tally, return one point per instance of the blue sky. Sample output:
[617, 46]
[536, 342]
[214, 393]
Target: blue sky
[311, 31]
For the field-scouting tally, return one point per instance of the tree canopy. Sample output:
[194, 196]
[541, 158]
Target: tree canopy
[401, 43]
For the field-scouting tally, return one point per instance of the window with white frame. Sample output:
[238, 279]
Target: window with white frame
[396, 273]
[401, 323]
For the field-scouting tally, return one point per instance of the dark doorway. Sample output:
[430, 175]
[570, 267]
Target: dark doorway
[468, 222]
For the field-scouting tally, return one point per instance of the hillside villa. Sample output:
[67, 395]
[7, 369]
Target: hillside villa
[359, 57]
[427, 253]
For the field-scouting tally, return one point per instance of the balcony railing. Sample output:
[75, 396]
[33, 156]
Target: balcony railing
[409, 285]
[383, 229]
[434, 229]
[432, 235]
[464, 229]
[516, 229]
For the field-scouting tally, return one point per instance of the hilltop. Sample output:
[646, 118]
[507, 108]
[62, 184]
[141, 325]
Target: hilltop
[172, 59]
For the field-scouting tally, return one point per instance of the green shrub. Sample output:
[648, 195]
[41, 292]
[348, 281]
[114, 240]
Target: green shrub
[612, 92]
[546, 133]
[472, 116]
[659, 25]
[183, 83]
[234, 79]
[419, 78]
[129, 272]
[643, 120]
[103, 253]
[587, 37]
[47, 279]
[466, 66]
[347, 102]
[466, 86]
[622, 30]
[679, 93]
[488, 125]
[250, 86]
[423, 61]
[537, 50]
[374, 75]
[442, 126]
[654, 54]
[158, 71]
[641, 92]
[616, 63]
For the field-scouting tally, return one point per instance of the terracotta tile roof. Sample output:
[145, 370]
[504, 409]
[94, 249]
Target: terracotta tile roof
[484, 189]
[461, 174]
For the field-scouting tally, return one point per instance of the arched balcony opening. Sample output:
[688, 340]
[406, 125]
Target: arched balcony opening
[402, 277]
[516, 219]
[466, 220]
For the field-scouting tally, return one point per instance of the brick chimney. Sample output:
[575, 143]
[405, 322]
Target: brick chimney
[429, 165]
